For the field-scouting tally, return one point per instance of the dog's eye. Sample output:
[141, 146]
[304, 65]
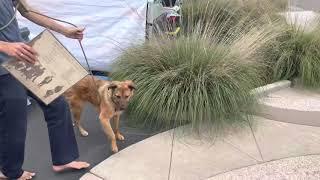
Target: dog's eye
[118, 97]
[126, 97]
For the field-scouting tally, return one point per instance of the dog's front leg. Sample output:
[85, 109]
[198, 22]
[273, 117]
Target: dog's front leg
[105, 122]
[119, 136]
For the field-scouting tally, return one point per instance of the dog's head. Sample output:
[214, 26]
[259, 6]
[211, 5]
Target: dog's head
[122, 91]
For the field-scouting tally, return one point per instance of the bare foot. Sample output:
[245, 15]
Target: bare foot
[2, 176]
[76, 165]
[25, 176]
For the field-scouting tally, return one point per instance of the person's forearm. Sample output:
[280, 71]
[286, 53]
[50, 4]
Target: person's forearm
[29, 13]
[45, 22]
[3, 46]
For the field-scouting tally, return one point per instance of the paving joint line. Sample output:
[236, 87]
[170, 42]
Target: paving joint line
[171, 154]
[255, 140]
[252, 157]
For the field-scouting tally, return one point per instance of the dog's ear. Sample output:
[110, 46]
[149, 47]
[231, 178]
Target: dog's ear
[112, 86]
[131, 85]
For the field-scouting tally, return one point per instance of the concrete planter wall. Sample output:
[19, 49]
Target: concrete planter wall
[280, 102]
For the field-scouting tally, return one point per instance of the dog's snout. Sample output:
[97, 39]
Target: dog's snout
[123, 106]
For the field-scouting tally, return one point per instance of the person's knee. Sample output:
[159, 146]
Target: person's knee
[58, 111]
[59, 104]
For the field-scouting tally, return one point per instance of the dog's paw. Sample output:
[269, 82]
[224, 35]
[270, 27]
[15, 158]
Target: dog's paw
[120, 137]
[84, 133]
[114, 149]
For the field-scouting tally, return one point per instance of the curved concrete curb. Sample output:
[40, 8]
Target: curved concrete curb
[270, 88]
[293, 106]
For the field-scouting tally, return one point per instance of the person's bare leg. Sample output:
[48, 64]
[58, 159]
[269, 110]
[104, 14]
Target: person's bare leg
[73, 165]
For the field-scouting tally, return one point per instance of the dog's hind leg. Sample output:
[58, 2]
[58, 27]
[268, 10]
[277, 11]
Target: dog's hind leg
[76, 109]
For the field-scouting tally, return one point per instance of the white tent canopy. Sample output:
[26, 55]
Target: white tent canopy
[111, 26]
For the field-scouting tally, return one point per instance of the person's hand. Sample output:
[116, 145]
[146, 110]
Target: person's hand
[21, 52]
[74, 33]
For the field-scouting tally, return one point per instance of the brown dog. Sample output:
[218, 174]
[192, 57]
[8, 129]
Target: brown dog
[110, 99]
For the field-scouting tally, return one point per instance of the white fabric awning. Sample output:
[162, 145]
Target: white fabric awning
[111, 26]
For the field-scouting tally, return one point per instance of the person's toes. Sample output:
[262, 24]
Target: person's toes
[31, 174]
[26, 175]
[79, 165]
[84, 165]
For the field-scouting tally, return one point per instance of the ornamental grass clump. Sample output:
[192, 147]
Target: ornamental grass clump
[193, 79]
[228, 16]
[295, 54]
[310, 64]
